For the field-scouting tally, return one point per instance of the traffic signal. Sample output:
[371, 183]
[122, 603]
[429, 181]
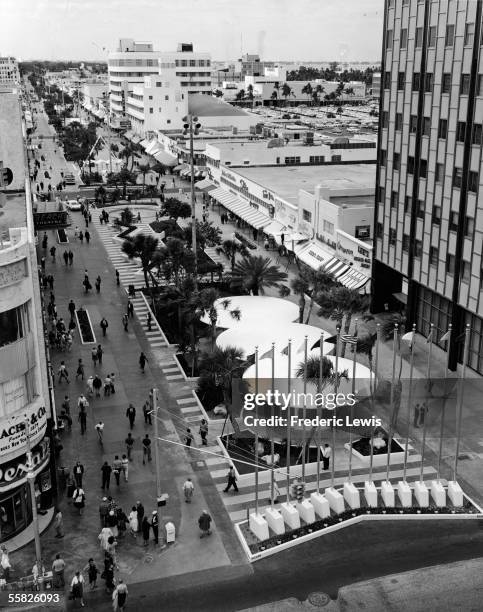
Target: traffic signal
[7, 176]
[298, 490]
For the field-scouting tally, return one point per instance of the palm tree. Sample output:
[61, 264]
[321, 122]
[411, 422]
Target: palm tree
[205, 303]
[250, 96]
[319, 90]
[231, 248]
[100, 193]
[128, 154]
[256, 273]
[365, 346]
[340, 304]
[224, 364]
[274, 96]
[144, 169]
[313, 372]
[151, 191]
[286, 91]
[146, 248]
[307, 89]
[318, 281]
[240, 95]
[300, 286]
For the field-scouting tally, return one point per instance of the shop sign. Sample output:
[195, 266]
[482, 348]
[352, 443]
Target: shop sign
[17, 468]
[13, 430]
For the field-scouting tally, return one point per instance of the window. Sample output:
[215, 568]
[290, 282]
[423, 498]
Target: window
[408, 202]
[443, 128]
[385, 119]
[392, 236]
[446, 83]
[13, 324]
[398, 122]
[479, 85]
[405, 243]
[393, 199]
[379, 229]
[389, 39]
[306, 215]
[413, 124]
[436, 216]
[291, 161]
[418, 248]
[438, 172]
[151, 110]
[465, 84]
[410, 165]
[433, 256]
[469, 226]
[450, 263]
[158, 83]
[387, 80]
[404, 38]
[150, 97]
[416, 81]
[428, 82]
[423, 168]
[465, 270]
[396, 161]
[401, 78]
[460, 131]
[382, 157]
[363, 232]
[192, 62]
[336, 158]
[382, 194]
[419, 37]
[426, 126]
[449, 38]
[469, 33]
[457, 177]
[328, 227]
[476, 136]
[453, 221]
[473, 180]
[420, 209]
[316, 159]
[166, 97]
[432, 36]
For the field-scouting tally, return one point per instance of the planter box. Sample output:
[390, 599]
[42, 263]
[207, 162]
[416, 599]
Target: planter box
[438, 493]
[370, 493]
[381, 458]
[405, 494]
[320, 504]
[421, 494]
[275, 521]
[290, 515]
[455, 493]
[84, 325]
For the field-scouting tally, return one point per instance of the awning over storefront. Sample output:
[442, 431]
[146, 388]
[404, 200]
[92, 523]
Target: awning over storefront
[165, 158]
[179, 167]
[314, 256]
[353, 279]
[311, 254]
[136, 139]
[153, 147]
[144, 143]
[185, 171]
[336, 267]
[128, 134]
[240, 208]
[274, 228]
[205, 185]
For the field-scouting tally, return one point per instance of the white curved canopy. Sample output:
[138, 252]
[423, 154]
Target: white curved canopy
[254, 310]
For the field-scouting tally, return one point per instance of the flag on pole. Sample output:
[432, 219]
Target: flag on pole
[445, 337]
[348, 339]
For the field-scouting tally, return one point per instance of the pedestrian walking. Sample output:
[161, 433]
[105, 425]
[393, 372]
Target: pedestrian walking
[146, 448]
[52, 252]
[129, 444]
[71, 308]
[147, 413]
[188, 489]
[125, 467]
[80, 370]
[100, 431]
[50, 281]
[204, 523]
[66, 404]
[82, 418]
[142, 361]
[131, 415]
[116, 469]
[87, 234]
[42, 264]
[133, 522]
[94, 356]
[423, 411]
[77, 588]
[326, 454]
[97, 384]
[155, 526]
[188, 437]
[71, 257]
[125, 320]
[145, 528]
[103, 506]
[87, 285]
[90, 385]
[140, 511]
[98, 284]
[108, 573]
[103, 537]
[92, 573]
[117, 278]
[100, 353]
[149, 319]
[78, 472]
[58, 568]
[112, 524]
[119, 597]
[231, 480]
[63, 373]
[82, 403]
[204, 432]
[59, 524]
[104, 325]
[417, 410]
[130, 309]
[106, 471]
[107, 386]
[81, 237]
[79, 499]
[65, 255]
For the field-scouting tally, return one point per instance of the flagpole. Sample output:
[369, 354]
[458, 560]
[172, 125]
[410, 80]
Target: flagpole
[373, 398]
[460, 402]
[391, 404]
[321, 369]
[289, 376]
[410, 399]
[443, 408]
[353, 393]
[304, 411]
[425, 411]
[256, 432]
[272, 443]
[336, 388]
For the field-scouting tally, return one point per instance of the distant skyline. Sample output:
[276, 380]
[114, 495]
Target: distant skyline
[285, 30]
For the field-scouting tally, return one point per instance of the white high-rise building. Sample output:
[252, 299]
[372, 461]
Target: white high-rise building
[192, 68]
[9, 72]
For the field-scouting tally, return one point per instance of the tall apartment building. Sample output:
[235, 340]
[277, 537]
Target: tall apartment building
[9, 72]
[251, 65]
[127, 66]
[191, 67]
[429, 216]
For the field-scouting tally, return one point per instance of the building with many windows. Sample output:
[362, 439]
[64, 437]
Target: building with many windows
[9, 72]
[193, 68]
[429, 216]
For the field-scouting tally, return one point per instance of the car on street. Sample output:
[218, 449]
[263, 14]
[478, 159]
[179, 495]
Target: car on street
[69, 178]
[73, 205]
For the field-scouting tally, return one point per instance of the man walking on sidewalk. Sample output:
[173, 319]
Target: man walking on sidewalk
[326, 453]
[146, 449]
[71, 308]
[78, 473]
[129, 444]
[131, 415]
[130, 309]
[231, 480]
[104, 325]
[116, 468]
[63, 374]
[125, 320]
[142, 361]
[204, 523]
[188, 489]
[106, 477]
[147, 413]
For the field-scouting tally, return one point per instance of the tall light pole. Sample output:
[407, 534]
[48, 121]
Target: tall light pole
[192, 127]
[156, 455]
[31, 483]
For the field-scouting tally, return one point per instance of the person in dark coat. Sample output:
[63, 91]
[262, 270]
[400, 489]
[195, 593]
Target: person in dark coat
[131, 415]
[204, 523]
[140, 511]
[145, 527]
[106, 475]
[155, 526]
[108, 573]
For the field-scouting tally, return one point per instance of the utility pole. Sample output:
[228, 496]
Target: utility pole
[156, 455]
[30, 480]
[191, 127]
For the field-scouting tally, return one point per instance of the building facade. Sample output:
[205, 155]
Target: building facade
[429, 216]
[193, 68]
[9, 72]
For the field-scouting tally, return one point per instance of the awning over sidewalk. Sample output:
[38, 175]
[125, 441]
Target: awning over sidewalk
[179, 167]
[336, 267]
[312, 255]
[240, 208]
[205, 185]
[163, 157]
[353, 279]
[153, 147]
[128, 134]
[136, 139]
[144, 143]
[274, 228]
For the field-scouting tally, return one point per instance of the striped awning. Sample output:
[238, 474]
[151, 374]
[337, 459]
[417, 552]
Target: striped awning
[185, 172]
[336, 267]
[353, 279]
[205, 185]
[241, 209]
[136, 139]
[153, 147]
[144, 143]
[128, 134]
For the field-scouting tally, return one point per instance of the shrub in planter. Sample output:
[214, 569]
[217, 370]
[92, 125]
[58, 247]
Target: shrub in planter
[85, 328]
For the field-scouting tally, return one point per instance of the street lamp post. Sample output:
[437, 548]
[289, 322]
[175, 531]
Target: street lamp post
[156, 455]
[30, 480]
[191, 127]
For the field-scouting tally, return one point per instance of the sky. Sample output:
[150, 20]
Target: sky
[311, 30]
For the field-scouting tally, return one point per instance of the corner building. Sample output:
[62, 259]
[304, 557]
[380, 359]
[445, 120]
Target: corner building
[429, 196]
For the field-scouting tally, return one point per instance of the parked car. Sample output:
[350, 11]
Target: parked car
[69, 178]
[73, 205]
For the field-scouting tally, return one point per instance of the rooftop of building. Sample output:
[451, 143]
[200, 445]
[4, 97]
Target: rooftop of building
[206, 106]
[12, 151]
[353, 201]
[286, 181]
[13, 214]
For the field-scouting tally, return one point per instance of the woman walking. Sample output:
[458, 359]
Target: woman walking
[77, 588]
[92, 572]
[145, 528]
[79, 499]
[119, 597]
[133, 521]
[108, 573]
